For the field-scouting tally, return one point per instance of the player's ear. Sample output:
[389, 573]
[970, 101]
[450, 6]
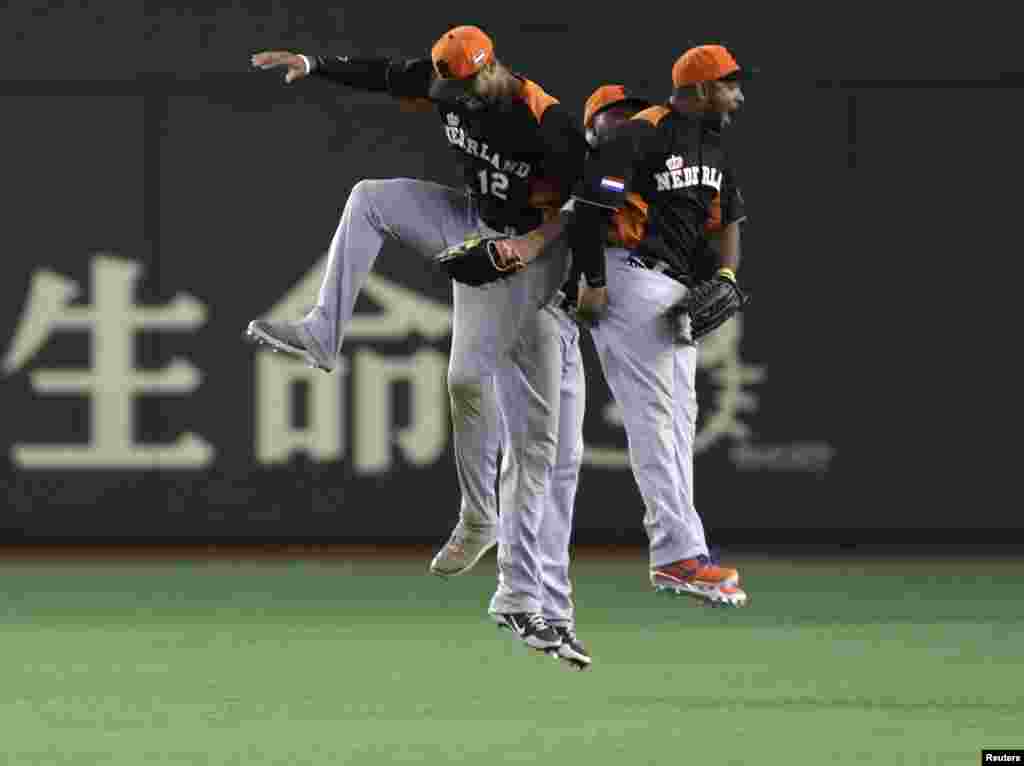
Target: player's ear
[702, 91]
[487, 72]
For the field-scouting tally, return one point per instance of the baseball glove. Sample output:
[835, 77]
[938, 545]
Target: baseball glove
[709, 305]
[476, 261]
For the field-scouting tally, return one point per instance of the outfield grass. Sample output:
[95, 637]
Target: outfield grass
[372, 661]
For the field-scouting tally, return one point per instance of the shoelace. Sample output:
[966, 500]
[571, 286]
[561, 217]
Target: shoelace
[537, 622]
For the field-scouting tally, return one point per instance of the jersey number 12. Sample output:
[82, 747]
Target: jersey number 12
[493, 183]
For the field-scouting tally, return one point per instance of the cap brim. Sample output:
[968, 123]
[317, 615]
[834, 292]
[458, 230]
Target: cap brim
[634, 101]
[741, 75]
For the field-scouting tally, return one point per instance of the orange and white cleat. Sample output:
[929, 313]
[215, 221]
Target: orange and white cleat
[701, 579]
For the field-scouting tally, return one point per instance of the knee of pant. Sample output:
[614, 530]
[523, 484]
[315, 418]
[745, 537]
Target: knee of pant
[364, 192]
[362, 189]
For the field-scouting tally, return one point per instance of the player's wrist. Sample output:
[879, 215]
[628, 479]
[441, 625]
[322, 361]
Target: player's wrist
[369, 74]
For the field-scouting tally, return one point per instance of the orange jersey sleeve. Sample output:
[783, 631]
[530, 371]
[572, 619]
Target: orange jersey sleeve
[653, 115]
[629, 224]
[537, 99]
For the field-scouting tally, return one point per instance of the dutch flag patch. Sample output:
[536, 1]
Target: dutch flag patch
[612, 184]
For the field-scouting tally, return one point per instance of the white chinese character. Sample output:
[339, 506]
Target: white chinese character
[112, 381]
[422, 441]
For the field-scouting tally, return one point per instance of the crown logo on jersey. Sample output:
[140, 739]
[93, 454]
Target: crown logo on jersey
[675, 162]
[453, 119]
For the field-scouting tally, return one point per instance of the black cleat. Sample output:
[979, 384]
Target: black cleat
[532, 629]
[572, 651]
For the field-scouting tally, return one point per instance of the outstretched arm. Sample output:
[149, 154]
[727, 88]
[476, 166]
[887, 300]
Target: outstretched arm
[404, 80]
[295, 65]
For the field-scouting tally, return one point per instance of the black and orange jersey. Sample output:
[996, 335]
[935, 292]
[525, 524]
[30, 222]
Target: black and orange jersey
[511, 156]
[520, 158]
[677, 166]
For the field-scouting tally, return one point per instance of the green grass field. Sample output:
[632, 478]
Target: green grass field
[372, 661]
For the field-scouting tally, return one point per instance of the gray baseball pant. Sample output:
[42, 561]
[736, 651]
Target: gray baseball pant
[502, 327]
[533, 549]
[654, 381]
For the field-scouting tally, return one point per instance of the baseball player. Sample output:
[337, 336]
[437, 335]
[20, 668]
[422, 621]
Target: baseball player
[612, 104]
[473, 262]
[520, 153]
[550, 544]
[671, 157]
[660, 189]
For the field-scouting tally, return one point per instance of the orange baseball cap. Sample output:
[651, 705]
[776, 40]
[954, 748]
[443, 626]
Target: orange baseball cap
[706, 63]
[462, 52]
[606, 97]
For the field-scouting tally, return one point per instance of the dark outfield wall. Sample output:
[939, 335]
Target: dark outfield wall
[159, 195]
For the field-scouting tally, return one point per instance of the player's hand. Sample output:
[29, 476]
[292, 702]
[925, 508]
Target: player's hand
[515, 252]
[591, 305]
[292, 62]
